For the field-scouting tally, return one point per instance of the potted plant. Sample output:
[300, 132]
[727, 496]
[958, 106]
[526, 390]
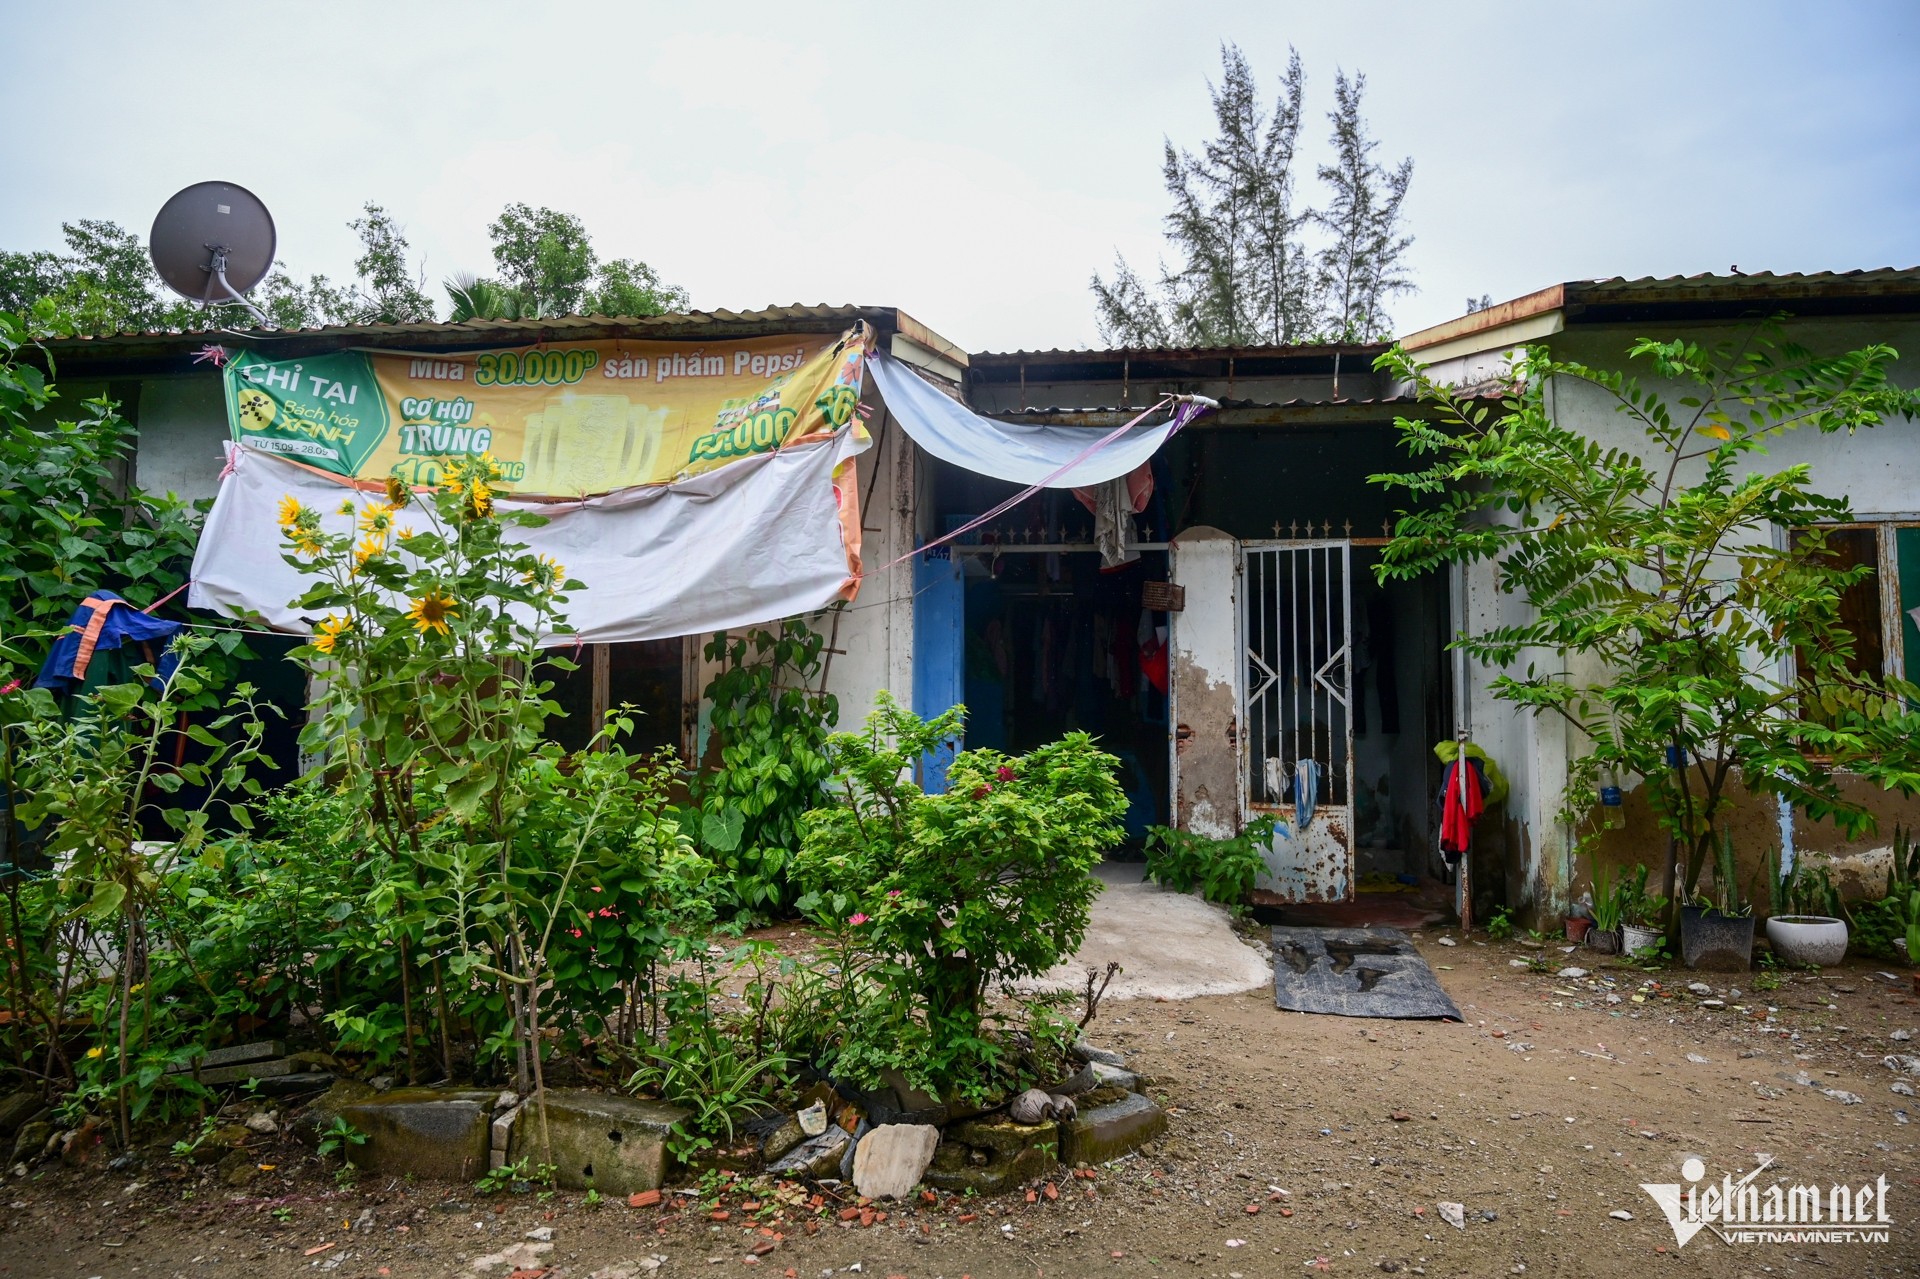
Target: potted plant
[1717, 932]
[1604, 936]
[1808, 925]
[1640, 919]
[1577, 923]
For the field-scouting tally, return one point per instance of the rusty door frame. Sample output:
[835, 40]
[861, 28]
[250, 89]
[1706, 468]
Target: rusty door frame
[1251, 551]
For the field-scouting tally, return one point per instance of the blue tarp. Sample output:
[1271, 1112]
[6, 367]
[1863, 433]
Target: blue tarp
[121, 624]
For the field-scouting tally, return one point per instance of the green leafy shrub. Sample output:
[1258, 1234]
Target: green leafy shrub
[939, 899]
[1223, 870]
[771, 730]
[98, 782]
[69, 521]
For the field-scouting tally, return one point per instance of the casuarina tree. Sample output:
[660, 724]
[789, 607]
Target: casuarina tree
[1246, 272]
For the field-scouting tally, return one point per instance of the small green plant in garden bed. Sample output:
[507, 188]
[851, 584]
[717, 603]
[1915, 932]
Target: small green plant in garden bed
[338, 1136]
[1611, 893]
[1223, 870]
[1500, 924]
[521, 1172]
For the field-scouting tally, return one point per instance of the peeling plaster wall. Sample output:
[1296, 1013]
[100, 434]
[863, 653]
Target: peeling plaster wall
[1205, 670]
[1755, 825]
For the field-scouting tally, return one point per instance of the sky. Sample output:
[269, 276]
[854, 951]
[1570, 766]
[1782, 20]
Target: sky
[973, 165]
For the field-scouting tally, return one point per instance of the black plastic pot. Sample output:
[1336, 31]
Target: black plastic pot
[1709, 939]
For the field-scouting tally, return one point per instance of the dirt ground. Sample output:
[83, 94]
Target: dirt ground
[1297, 1145]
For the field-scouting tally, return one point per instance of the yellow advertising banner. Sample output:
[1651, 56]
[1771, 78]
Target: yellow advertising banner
[562, 419]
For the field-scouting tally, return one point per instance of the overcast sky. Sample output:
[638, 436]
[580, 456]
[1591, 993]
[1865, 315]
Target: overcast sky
[973, 164]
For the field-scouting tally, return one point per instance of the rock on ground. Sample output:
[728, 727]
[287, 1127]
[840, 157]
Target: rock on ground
[892, 1158]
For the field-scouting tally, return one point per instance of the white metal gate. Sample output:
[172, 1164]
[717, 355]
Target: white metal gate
[1297, 745]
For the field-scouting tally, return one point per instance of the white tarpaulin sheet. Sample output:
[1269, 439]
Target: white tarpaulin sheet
[1024, 454]
[758, 539]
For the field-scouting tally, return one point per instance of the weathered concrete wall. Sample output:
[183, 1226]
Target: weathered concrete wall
[183, 423]
[1873, 469]
[1859, 863]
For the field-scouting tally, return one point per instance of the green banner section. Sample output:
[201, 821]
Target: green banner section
[326, 411]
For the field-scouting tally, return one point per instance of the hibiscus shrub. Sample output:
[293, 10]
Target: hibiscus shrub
[939, 899]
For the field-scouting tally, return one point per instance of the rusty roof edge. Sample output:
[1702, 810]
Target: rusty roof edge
[1539, 302]
[914, 331]
[1061, 356]
[1705, 289]
[693, 325]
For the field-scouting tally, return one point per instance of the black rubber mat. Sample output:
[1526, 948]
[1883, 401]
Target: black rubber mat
[1355, 972]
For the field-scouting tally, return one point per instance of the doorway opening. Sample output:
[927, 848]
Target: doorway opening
[1053, 640]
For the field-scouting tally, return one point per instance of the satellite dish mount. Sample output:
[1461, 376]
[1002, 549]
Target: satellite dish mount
[213, 242]
[217, 275]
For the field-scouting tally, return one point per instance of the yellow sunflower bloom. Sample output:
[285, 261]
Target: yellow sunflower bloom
[371, 545]
[348, 508]
[290, 509]
[331, 630]
[431, 611]
[479, 500]
[377, 518]
[546, 573]
[398, 494]
[306, 541]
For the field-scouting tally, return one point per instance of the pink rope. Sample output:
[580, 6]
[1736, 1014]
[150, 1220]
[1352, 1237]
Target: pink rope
[164, 598]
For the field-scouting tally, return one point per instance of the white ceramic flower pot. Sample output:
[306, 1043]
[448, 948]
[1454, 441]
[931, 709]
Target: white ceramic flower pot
[1635, 938]
[1820, 940]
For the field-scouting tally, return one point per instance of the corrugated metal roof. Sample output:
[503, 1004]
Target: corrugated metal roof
[446, 335]
[1785, 284]
[488, 328]
[1061, 356]
[1300, 402]
[1616, 298]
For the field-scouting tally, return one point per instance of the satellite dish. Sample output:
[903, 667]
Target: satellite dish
[213, 242]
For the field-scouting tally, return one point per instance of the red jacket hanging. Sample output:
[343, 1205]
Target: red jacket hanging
[1459, 805]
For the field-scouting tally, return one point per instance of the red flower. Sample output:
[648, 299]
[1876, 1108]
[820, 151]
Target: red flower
[1006, 774]
[893, 892]
[574, 931]
[857, 919]
[981, 792]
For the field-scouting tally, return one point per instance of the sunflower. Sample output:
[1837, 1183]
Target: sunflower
[348, 508]
[290, 510]
[331, 630]
[398, 494]
[377, 518]
[546, 572]
[479, 499]
[431, 611]
[371, 545]
[306, 541]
